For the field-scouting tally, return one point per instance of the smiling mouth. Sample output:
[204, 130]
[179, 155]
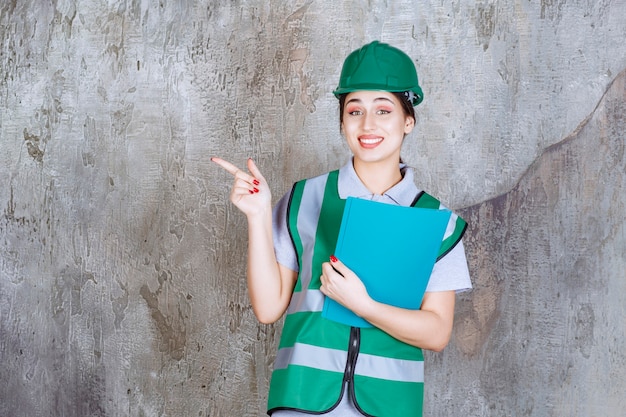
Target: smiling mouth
[370, 141]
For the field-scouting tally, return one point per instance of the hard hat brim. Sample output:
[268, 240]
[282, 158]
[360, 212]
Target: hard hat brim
[418, 97]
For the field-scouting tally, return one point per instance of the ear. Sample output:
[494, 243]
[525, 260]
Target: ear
[409, 124]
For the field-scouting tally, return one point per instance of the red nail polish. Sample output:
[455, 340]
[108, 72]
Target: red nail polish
[256, 190]
[256, 182]
[333, 259]
[251, 192]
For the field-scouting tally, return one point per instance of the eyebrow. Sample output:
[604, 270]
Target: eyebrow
[358, 100]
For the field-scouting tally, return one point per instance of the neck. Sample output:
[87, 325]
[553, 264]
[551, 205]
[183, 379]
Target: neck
[378, 177]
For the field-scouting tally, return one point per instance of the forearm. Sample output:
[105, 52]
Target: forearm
[426, 328]
[269, 292]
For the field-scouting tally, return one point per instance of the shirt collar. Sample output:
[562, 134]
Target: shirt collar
[403, 193]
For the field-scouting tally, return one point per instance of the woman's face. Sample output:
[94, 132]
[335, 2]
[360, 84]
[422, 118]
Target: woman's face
[374, 125]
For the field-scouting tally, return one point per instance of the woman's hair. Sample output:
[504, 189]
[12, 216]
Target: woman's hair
[407, 106]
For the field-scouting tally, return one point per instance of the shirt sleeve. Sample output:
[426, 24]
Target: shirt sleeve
[283, 245]
[451, 273]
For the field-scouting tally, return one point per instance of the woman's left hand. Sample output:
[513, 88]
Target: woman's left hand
[344, 286]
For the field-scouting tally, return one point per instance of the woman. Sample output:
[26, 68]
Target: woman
[324, 367]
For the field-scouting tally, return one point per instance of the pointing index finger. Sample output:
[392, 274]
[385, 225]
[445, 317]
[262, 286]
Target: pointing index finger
[226, 165]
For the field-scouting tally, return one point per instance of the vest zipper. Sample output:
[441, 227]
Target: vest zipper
[353, 352]
[354, 345]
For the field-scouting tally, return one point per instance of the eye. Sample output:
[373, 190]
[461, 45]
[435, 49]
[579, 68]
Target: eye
[383, 111]
[354, 112]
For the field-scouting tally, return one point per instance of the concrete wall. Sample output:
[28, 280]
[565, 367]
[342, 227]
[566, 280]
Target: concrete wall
[122, 262]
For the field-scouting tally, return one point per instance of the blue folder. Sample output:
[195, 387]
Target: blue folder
[392, 249]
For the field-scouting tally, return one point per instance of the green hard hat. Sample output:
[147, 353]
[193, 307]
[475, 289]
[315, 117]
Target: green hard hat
[380, 67]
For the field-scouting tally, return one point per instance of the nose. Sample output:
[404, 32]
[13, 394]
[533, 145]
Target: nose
[368, 121]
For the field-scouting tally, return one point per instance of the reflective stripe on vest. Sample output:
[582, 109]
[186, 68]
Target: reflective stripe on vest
[334, 360]
[314, 360]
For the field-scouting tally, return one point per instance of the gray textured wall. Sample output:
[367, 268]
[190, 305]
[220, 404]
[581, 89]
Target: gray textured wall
[122, 262]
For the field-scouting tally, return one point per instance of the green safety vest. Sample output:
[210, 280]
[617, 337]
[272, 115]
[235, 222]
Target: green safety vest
[316, 356]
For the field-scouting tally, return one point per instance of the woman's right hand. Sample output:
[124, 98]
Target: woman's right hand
[250, 192]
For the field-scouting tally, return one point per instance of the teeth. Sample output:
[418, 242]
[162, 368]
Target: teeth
[371, 141]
